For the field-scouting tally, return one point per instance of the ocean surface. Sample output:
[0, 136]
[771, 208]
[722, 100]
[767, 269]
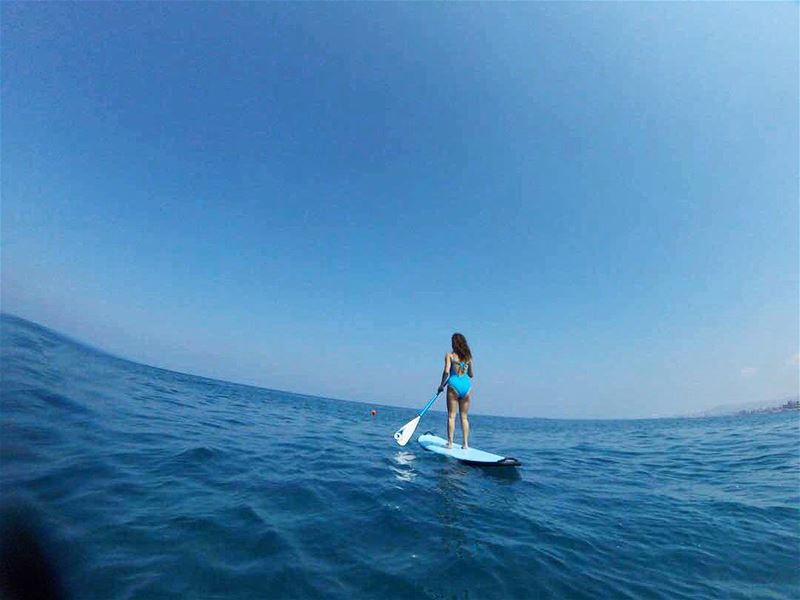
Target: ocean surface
[145, 483]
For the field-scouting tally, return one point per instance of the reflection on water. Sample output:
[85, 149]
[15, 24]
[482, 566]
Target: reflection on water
[404, 458]
[453, 501]
[405, 471]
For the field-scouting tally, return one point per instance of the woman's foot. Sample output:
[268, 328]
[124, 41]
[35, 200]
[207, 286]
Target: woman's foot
[449, 445]
[464, 446]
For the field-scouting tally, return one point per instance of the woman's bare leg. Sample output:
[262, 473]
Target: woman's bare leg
[452, 403]
[463, 410]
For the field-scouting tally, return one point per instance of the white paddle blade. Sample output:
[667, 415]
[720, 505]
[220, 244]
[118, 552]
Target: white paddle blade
[404, 434]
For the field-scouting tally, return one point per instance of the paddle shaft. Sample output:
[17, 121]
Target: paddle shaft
[429, 404]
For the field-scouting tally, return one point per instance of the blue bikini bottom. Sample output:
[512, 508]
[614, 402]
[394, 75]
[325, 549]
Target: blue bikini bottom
[460, 383]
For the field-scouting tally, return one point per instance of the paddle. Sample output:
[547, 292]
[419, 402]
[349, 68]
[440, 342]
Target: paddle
[404, 434]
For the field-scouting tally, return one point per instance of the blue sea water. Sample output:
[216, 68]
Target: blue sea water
[155, 484]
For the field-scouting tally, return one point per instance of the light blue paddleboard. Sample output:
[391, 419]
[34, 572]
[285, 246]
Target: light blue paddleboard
[470, 456]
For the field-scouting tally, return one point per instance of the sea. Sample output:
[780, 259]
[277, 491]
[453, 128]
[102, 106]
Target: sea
[120, 480]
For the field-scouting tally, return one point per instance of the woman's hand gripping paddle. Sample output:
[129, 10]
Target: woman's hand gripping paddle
[404, 434]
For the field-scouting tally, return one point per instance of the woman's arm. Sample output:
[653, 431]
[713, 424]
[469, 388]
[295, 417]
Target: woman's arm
[469, 369]
[446, 372]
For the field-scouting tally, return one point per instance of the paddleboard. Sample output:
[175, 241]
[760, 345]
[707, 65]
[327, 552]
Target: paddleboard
[470, 456]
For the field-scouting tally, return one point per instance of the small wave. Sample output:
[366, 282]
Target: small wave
[55, 400]
[197, 455]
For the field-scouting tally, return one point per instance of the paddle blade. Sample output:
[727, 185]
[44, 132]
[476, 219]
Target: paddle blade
[404, 434]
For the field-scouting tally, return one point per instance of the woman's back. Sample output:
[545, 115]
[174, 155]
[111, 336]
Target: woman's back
[457, 366]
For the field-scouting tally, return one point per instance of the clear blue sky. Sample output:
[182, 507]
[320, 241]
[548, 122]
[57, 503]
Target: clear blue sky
[313, 197]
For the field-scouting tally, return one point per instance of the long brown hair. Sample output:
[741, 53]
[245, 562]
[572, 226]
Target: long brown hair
[460, 347]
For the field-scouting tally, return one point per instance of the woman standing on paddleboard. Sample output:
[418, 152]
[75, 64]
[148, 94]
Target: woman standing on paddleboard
[457, 377]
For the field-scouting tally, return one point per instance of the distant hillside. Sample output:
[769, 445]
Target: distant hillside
[763, 406]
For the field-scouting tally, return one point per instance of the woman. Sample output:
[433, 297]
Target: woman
[458, 378]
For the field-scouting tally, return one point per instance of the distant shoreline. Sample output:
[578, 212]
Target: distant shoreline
[788, 406]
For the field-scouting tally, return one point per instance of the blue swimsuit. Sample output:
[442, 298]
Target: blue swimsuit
[460, 382]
